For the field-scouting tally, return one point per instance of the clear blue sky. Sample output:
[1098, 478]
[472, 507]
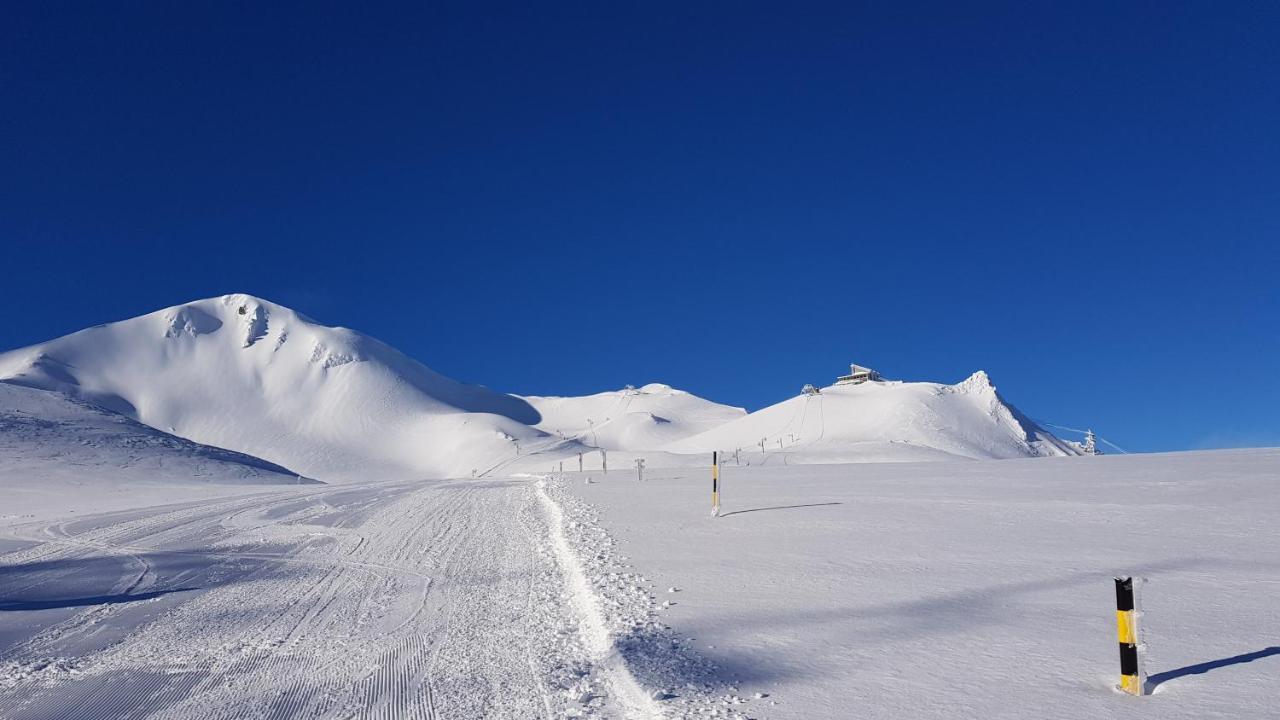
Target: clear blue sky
[1081, 199]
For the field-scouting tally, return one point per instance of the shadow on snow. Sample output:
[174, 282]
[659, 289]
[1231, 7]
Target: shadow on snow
[19, 605]
[778, 507]
[1204, 667]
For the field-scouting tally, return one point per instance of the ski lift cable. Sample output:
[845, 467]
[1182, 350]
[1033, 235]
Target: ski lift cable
[1060, 427]
[1117, 447]
[1082, 432]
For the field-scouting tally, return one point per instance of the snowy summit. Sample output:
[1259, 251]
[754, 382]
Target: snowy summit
[248, 375]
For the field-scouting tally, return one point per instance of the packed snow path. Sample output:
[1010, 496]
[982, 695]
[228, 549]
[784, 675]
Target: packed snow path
[405, 600]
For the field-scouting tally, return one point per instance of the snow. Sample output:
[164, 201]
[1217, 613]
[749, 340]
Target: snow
[51, 447]
[884, 421]
[645, 418]
[944, 589]
[245, 374]
[248, 375]
[916, 550]
[967, 589]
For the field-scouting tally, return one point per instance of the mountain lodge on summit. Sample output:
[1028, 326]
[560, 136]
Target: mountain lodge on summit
[857, 375]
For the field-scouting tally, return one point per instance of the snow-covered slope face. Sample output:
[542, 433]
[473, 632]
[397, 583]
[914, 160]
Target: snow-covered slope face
[242, 373]
[47, 436]
[886, 421]
[643, 418]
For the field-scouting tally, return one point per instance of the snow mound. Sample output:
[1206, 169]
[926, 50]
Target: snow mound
[633, 419]
[45, 433]
[243, 373]
[885, 421]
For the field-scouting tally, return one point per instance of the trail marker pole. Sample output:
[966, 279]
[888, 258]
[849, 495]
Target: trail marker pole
[1133, 677]
[639, 469]
[715, 484]
[579, 462]
[604, 460]
[762, 452]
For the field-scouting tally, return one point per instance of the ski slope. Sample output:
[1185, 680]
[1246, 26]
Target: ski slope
[923, 590]
[411, 599]
[63, 455]
[964, 589]
[42, 431]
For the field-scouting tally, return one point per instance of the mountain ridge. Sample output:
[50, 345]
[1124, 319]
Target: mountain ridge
[243, 373]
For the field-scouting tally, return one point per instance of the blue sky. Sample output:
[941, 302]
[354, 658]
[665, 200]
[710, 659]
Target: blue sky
[733, 199]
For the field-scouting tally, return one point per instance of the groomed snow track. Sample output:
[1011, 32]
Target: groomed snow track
[450, 599]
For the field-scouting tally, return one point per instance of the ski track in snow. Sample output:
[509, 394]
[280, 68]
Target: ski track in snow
[462, 599]
[631, 698]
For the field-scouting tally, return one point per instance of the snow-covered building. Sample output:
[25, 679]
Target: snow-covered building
[857, 375]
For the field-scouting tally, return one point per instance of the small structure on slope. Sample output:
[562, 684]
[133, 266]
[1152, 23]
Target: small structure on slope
[1090, 446]
[857, 375]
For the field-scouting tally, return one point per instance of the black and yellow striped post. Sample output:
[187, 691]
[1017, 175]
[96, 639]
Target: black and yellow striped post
[1132, 678]
[715, 484]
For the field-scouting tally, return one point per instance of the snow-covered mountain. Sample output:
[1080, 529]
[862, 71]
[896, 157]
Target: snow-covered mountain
[245, 374]
[48, 436]
[644, 418]
[242, 373]
[886, 421]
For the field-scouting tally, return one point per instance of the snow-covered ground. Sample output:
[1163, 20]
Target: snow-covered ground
[61, 456]
[965, 589]
[163, 552]
[959, 589]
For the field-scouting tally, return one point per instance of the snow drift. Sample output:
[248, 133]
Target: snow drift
[242, 373]
[45, 434]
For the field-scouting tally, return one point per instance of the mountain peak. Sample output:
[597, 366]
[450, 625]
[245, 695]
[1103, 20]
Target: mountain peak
[237, 371]
[975, 383]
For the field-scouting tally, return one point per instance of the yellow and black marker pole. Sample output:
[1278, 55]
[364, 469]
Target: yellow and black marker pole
[715, 484]
[1132, 679]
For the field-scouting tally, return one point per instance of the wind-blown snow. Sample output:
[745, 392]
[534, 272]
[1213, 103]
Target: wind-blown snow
[43, 433]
